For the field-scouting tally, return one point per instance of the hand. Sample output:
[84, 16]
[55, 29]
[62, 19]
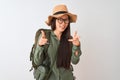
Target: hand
[43, 40]
[75, 39]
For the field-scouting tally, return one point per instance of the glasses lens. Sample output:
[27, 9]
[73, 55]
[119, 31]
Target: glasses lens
[66, 21]
[60, 20]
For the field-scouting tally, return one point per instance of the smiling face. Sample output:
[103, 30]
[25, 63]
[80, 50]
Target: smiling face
[62, 23]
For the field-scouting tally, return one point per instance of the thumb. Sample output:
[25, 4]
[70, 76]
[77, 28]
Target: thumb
[43, 34]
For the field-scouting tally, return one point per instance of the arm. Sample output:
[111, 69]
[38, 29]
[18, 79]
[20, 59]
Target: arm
[39, 56]
[76, 51]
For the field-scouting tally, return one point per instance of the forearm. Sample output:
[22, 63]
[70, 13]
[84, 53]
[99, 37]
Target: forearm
[76, 52]
[37, 55]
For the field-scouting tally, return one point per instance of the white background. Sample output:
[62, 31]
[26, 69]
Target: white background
[97, 24]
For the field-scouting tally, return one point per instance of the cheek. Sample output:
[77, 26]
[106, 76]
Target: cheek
[57, 25]
[66, 25]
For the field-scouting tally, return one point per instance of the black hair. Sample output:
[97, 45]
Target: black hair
[64, 51]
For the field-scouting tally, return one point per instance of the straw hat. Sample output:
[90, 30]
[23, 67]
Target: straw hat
[59, 11]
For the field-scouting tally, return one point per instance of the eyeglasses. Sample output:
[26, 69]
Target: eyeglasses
[60, 20]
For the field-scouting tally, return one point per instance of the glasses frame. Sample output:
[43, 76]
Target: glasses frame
[60, 20]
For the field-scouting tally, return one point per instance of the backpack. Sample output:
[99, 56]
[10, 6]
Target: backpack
[44, 55]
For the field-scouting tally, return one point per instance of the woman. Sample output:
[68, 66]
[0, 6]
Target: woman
[63, 49]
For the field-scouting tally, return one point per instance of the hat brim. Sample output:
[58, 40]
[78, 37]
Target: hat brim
[73, 18]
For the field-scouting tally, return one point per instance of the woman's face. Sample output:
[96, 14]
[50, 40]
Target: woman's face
[62, 23]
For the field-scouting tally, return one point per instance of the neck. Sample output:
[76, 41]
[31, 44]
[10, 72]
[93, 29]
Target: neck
[58, 34]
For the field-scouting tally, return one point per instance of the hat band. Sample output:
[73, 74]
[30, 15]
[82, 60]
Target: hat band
[60, 12]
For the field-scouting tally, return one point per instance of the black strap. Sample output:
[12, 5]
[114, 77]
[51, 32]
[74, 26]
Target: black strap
[60, 12]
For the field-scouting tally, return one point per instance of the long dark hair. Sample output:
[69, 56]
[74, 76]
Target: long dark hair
[64, 51]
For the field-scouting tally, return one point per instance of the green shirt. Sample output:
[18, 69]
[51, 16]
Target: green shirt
[57, 73]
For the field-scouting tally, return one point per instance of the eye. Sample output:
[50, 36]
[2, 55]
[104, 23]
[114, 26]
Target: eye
[61, 19]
